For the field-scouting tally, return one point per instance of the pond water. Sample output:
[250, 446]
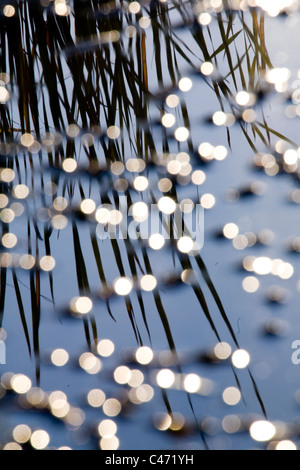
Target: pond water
[123, 344]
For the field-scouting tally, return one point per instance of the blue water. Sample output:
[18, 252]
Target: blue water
[277, 378]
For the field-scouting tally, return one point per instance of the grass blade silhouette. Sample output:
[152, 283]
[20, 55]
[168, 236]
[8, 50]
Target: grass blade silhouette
[21, 310]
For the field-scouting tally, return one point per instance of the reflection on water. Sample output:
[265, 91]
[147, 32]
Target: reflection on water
[116, 338]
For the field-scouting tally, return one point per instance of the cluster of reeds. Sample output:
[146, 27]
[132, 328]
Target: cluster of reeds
[79, 83]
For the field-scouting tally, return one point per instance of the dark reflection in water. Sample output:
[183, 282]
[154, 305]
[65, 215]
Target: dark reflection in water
[120, 123]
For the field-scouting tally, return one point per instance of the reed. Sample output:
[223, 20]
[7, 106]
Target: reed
[80, 70]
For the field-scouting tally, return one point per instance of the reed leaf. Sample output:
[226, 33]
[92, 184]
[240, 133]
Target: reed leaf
[21, 310]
